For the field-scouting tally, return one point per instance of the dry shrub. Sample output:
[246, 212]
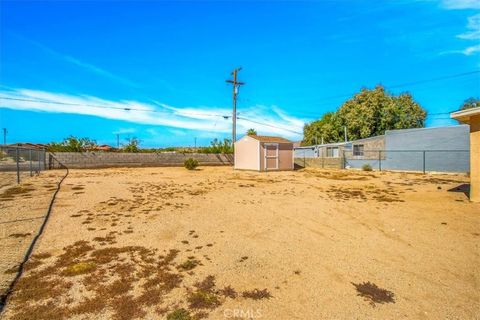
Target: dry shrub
[208, 284]
[347, 194]
[17, 190]
[19, 235]
[188, 265]
[179, 314]
[339, 175]
[228, 292]
[190, 164]
[203, 300]
[126, 308]
[108, 276]
[205, 297]
[257, 294]
[79, 268]
[372, 293]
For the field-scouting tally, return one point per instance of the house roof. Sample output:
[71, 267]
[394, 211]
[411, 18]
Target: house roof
[270, 139]
[333, 144]
[465, 115]
[29, 145]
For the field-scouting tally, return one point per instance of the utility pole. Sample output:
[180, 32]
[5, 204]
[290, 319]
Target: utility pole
[5, 136]
[345, 131]
[118, 141]
[195, 143]
[236, 85]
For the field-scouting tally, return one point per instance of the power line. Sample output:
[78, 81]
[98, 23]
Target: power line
[268, 125]
[405, 84]
[144, 110]
[104, 107]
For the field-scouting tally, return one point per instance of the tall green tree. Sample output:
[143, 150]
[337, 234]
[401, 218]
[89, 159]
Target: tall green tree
[328, 129]
[470, 103]
[251, 132]
[368, 113]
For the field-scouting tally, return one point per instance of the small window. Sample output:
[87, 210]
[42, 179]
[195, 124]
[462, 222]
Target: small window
[358, 150]
[332, 152]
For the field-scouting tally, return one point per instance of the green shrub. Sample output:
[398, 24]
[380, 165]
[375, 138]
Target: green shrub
[179, 314]
[190, 164]
[367, 167]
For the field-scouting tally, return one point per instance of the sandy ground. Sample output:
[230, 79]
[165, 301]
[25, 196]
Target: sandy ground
[22, 211]
[155, 243]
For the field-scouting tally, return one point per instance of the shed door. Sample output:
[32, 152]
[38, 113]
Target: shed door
[271, 156]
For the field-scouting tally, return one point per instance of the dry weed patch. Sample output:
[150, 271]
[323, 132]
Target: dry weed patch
[106, 275]
[257, 294]
[372, 293]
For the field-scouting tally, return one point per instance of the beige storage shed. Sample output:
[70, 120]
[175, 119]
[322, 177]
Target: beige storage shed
[263, 153]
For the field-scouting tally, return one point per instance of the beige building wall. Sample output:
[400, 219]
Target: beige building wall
[247, 156]
[371, 146]
[475, 158]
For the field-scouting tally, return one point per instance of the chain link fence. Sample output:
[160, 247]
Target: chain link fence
[401, 160]
[409, 160]
[17, 163]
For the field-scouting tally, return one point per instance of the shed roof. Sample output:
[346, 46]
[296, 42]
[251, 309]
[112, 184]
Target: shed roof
[270, 139]
[465, 115]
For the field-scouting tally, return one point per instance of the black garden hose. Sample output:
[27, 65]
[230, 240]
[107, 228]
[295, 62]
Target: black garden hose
[6, 296]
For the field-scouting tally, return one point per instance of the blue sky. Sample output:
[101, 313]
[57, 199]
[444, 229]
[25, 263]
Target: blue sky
[171, 59]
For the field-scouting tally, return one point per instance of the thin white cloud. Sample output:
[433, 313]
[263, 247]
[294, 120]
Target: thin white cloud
[460, 4]
[467, 51]
[473, 26]
[86, 66]
[205, 119]
[471, 50]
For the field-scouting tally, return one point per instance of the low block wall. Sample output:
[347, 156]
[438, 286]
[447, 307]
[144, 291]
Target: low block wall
[330, 163]
[81, 160]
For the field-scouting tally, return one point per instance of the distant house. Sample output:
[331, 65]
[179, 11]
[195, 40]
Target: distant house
[444, 149]
[327, 150]
[263, 153]
[29, 145]
[103, 147]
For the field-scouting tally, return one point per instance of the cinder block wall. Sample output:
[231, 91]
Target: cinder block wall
[112, 159]
[328, 163]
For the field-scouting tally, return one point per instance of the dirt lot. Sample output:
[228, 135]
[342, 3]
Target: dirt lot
[169, 243]
[22, 211]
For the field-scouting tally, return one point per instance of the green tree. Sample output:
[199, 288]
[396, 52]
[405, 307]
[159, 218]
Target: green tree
[131, 145]
[470, 103]
[72, 144]
[368, 113]
[251, 132]
[218, 146]
[328, 129]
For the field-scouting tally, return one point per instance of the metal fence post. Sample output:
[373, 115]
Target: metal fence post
[39, 162]
[17, 158]
[380, 160]
[30, 156]
[423, 161]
